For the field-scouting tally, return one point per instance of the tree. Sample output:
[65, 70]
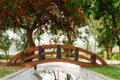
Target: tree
[29, 15]
[109, 10]
[20, 40]
[105, 41]
[5, 43]
[103, 34]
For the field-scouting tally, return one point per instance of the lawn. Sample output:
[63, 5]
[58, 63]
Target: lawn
[109, 71]
[4, 72]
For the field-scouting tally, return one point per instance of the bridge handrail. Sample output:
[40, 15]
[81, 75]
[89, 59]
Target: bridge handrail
[19, 58]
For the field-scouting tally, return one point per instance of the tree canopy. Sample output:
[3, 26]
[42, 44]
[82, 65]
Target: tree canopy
[64, 15]
[108, 11]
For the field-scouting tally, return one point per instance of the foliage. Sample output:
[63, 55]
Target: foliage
[21, 42]
[4, 57]
[109, 11]
[5, 43]
[114, 56]
[111, 56]
[106, 38]
[64, 15]
[107, 27]
[109, 71]
[29, 11]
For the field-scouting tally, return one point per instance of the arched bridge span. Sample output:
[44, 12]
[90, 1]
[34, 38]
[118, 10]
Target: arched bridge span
[57, 53]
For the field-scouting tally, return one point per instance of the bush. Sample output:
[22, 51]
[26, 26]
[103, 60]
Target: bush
[5, 57]
[112, 55]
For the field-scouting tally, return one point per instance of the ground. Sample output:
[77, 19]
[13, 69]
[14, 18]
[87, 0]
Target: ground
[5, 70]
[3, 65]
[116, 65]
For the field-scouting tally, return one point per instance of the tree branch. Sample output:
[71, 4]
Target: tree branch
[105, 7]
[39, 24]
[118, 7]
[24, 27]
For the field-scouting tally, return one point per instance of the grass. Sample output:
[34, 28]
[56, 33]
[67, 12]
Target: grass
[4, 72]
[109, 71]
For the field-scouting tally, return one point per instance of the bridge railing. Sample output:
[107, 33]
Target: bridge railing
[63, 52]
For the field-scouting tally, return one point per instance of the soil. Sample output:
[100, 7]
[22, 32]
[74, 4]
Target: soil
[3, 65]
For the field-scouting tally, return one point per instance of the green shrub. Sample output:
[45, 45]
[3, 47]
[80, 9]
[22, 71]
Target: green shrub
[5, 57]
[2, 56]
[114, 56]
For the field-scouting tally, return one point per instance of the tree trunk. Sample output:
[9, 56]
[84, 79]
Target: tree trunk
[30, 42]
[30, 39]
[106, 53]
[116, 31]
[6, 55]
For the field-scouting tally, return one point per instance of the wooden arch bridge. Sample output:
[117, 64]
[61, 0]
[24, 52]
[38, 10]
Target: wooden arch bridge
[57, 53]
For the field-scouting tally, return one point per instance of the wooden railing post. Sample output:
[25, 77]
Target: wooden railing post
[35, 67]
[76, 54]
[41, 50]
[23, 55]
[93, 57]
[58, 51]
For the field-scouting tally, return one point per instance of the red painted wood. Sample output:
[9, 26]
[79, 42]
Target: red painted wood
[17, 59]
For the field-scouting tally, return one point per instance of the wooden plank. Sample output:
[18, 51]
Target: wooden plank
[31, 64]
[68, 47]
[33, 49]
[18, 58]
[86, 58]
[68, 53]
[101, 60]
